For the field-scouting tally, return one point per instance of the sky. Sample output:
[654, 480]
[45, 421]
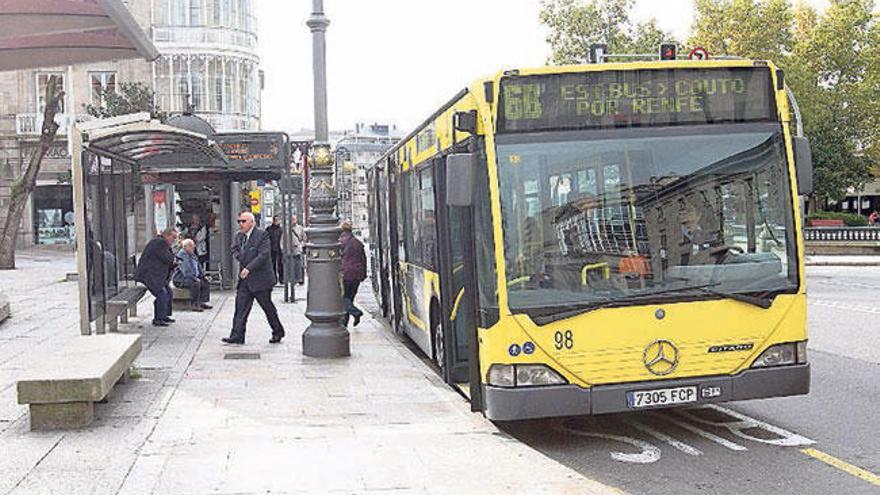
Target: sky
[396, 61]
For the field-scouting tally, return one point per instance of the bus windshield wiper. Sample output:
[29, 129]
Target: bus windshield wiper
[761, 302]
[572, 310]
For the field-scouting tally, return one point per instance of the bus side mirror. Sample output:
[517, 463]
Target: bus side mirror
[460, 179]
[803, 163]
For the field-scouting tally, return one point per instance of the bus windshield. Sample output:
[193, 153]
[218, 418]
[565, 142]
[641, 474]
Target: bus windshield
[618, 217]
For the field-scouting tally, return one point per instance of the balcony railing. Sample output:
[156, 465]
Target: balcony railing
[31, 124]
[842, 234]
[186, 35]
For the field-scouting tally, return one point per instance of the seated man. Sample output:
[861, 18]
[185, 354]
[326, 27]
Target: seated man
[190, 275]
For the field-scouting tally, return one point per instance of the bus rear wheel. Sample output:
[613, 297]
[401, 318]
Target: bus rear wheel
[437, 334]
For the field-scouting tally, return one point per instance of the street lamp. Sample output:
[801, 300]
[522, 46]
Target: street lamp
[325, 337]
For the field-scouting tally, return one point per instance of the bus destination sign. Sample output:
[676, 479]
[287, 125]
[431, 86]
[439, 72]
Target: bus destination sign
[624, 98]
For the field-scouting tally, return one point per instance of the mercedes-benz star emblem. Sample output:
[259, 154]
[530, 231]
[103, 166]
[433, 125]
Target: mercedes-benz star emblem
[660, 357]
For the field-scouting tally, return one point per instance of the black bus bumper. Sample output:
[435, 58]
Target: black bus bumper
[510, 404]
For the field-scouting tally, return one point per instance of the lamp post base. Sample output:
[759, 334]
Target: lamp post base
[326, 340]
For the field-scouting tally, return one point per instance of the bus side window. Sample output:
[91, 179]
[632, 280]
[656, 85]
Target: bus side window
[426, 217]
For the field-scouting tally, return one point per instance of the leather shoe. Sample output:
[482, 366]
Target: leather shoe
[230, 340]
[276, 339]
[197, 309]
[160, 323]
[357, 320]
[207, 306]
[169, 320]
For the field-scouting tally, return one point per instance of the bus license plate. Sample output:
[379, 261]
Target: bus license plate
[661, 397]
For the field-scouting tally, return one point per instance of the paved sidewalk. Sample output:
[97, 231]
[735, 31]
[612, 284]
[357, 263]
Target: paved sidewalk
[842, 260]
[198, 423]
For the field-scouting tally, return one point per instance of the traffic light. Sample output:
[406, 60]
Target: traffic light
[597, 53]
[668, 51]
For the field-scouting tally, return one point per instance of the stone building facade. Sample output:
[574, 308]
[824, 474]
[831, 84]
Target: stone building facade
[208, 62]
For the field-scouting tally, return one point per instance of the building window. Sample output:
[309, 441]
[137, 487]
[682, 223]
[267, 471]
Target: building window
[197, 74]
[181, 85]
[227, 88]
[195, 13]
[215, 85]
[42, 80]
[179, 11]
[221, 12]
[163, 83]
[101, 83]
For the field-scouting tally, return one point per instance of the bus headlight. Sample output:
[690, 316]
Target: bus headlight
[533, 375]
[523, 375]
[502, 375]
[782, 355]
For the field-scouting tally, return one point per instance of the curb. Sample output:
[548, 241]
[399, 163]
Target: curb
[842, 263]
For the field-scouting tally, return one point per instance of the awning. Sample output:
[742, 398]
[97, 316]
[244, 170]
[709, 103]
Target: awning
[50, 33]
[151, 144]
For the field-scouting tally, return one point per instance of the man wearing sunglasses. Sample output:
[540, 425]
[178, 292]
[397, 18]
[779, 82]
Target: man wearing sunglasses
[253, 250]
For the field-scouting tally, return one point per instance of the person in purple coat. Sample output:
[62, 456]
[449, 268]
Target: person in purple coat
[354, 271]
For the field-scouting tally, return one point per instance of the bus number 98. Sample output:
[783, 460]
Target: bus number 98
[563, 340]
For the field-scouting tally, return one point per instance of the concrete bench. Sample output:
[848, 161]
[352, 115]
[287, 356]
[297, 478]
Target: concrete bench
[63, 384]
[180, 297]
[4, 307]
[122, 305]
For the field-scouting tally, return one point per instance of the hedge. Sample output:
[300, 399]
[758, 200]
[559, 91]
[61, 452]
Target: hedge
[849, 219]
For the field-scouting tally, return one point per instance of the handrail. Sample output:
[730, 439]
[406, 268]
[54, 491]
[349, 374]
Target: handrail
[842, 234]
[606, 271]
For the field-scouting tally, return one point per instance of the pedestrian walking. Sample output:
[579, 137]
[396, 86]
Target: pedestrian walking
[256, 279]
[275, 232]
[354, 271]
[191, 275]
[154, 270]
[874, 218]
[198, 232]
[298, 238]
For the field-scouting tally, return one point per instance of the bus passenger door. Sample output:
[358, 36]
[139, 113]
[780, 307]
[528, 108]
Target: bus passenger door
[394, 246]
[454, 237]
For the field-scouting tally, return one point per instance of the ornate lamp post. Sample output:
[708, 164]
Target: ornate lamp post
[325, 337]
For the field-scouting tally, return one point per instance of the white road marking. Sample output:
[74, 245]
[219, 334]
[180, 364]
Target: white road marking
[845, 306]
[663, 437]
[787, 438]
[648, 454]
[703, 433]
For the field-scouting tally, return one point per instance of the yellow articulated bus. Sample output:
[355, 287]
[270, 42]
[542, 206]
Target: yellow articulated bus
[601, 238]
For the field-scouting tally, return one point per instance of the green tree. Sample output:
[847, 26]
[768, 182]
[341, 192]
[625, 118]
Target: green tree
[758, 29]
[131, 97]
[24, 185]
[831, 62]
[576, 24]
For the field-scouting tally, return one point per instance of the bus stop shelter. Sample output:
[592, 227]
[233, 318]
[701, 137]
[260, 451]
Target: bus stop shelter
[117, 161]
[108, 159]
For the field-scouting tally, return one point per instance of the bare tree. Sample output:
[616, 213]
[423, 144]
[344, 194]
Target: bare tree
[23, 186]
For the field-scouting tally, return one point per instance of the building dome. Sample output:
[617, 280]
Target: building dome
[194, 123]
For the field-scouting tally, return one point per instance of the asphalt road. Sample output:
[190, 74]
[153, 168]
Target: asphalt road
[825, 443]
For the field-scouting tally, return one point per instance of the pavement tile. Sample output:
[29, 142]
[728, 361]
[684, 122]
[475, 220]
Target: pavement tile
[380, 421]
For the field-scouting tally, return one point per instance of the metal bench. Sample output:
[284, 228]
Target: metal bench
[63, 384]
[122, 306]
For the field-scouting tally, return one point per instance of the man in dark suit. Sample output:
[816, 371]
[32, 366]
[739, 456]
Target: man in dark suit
[255, 281]
[154, 271]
